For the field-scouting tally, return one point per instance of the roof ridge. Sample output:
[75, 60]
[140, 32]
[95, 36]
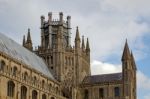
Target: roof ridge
[107, 74]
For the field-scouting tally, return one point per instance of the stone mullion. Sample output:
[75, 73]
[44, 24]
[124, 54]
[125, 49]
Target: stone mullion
[29, 93]
[17, 91]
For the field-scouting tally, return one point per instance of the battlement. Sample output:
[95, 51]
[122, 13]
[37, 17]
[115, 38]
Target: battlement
[52, 21]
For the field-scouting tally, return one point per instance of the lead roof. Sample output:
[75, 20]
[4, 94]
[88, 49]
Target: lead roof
[94, 79]
[15, 50]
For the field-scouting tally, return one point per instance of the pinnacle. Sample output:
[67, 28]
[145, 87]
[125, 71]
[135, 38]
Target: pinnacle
[126, 52]
[24, 40]
[87, 45]
[77, 34]
[28, 36]
[83, 45]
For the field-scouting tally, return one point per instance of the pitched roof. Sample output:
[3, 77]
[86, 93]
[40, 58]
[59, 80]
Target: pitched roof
[13, 49]
[94, 79]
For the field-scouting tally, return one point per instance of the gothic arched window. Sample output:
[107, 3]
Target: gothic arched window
[53, 40]
[117, 91]
[34, 80]
[50, 86]
[51, 59]
[101, 92]
[10, 89]
[52, 98]
[2, 65]
[86, 94]
[57, 90]
[25, 76]
[34, 94]
[23, 92]
[43, 96]
[43, 83]
[14, 70]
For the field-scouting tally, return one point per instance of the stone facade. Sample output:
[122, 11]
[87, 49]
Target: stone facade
[69, 65]
[21, 75]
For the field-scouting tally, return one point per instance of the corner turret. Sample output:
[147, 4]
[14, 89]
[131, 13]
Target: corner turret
[61, 18]
[49, 17]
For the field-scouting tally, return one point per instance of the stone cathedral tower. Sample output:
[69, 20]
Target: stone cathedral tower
[69, 64]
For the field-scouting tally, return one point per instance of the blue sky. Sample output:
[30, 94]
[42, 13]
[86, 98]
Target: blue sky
[107, 23]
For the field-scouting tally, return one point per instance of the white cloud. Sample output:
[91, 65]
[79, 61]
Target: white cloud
[143, 85]
[147, 96]
[98, 67]
[143, 81]
[107, 23]
[129, 6]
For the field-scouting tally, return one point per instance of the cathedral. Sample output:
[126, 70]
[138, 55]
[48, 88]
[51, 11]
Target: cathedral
[56, 69]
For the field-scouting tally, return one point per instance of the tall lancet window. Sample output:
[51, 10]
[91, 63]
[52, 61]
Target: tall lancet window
[101, 92]
[10, 89]
[117, 91]
[2, 65]
[43, 96]
[86, 94]
[53, 40]
[34, 94]
[23, 92]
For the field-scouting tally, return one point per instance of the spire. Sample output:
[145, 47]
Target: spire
[29, 37]
[83, 45]
[77, 38]
[126, 52]
[29, 41]
[24, 41]
[133, 61]
[87, 45]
